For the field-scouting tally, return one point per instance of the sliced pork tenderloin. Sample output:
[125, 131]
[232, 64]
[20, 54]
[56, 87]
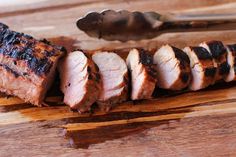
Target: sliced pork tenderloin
[27, 65]
[80, 81]
[202, 67]
[143, 74]
[173, 68]
[114, 75]
[219, 54]
[231, 59]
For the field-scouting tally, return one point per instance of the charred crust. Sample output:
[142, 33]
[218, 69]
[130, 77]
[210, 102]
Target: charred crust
[40, 66]
[181, 56]
[16, 74]
[90, 77]
[96, 67]
[201, 53]
[126, 78]
[217, 48]
[45, 41]
[184, 77]
[97, 77]
[20, 46]
[145, 58]
[224, 68]
[25, 74]
[151, 71]
[3, 26]
[88, 69]
[210, 72]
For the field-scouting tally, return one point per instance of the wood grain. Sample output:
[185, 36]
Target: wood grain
[201, 123]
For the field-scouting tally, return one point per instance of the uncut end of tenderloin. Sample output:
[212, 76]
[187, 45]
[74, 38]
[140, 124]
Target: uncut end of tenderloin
[27, 65]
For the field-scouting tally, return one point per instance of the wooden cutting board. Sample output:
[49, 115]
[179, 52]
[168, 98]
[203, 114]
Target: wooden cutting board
[201, 123]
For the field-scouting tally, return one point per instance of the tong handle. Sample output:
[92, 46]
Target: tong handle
[181, 17]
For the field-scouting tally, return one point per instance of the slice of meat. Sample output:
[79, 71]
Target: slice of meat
[231, 60]
[80, 81]
[173, 68]
[114, 76]
[28, 65]
[143, 74]
[202, 67]
[219, 53]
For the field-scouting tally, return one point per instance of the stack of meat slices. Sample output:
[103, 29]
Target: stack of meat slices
[194, 67]
[87, 78]
[27, 66]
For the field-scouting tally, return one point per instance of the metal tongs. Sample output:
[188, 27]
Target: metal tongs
[124, 25]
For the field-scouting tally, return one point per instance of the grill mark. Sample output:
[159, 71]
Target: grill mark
[152, 71]
[97, 77]
[217, 48]
[184, 77]
[181, 56]
[201, 53]
[224, 68]
[16, 74]
[88, 69]
[145, 58]
[23, 47]
[210, 72]
[90, 76]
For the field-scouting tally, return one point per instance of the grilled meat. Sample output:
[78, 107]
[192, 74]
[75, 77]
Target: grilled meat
[80, 81]
[219, 54]
[202, 67]
[231, 60]
[114, 76]
[173, 68]
[27, 65]
[143, 74]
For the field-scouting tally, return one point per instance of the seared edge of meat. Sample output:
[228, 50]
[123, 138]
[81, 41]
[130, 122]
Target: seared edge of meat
[219, 54]
[231, 60]
[114, 75]
[173, 68]
[26, 55]
[202, 67]
[143, 74]
[31, 60]
[80, 81]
